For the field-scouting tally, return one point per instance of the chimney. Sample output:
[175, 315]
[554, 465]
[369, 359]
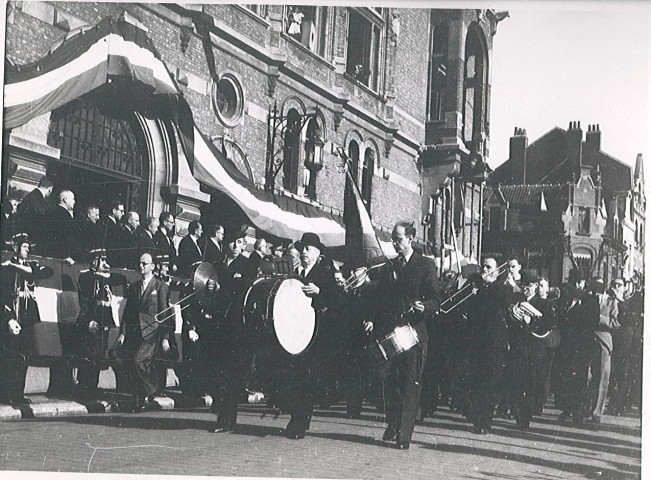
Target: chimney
[518, 156]
[592, 145]
[574, 146]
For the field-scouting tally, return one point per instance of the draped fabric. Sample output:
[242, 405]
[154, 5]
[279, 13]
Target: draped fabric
[119, 57]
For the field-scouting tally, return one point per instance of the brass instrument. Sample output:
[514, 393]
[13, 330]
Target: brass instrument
[525, 314]
[468, 290]
[202, 276]
[358, 277]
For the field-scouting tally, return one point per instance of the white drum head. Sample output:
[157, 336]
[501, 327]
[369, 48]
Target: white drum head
[294, 317]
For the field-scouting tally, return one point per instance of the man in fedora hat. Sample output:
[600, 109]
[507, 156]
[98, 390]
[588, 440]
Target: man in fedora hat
[18, 317]
[320, 285]
[98, 314]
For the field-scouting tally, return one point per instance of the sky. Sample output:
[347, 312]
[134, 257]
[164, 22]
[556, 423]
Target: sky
[588, 62]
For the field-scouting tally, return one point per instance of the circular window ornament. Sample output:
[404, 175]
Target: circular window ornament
[228, 100]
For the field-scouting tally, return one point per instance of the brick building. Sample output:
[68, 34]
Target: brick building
[561, 196]
[404, 93]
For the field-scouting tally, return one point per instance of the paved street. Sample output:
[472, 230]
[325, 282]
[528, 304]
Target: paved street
[177, 442]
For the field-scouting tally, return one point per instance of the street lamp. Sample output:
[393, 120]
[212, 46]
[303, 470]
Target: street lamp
[291, 125]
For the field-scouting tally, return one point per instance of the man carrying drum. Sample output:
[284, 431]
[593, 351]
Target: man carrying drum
[406, 295]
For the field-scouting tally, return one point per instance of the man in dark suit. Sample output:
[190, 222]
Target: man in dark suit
[189, 251]
[406, 294]
[164, 238]
[259, 253]
[146, 242]
[129, 251]
[212, 246]
[33, 210]
[320, 285]
[62, 230]
[89, 232]
[234, 274]
[488, 343]
[145, 331]
[111, 232]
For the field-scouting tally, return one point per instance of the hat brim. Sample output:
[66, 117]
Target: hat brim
[299, 245]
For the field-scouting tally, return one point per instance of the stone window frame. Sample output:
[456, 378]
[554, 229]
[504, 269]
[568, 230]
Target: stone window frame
[235, 82]
[372, 73]
[437, 78]
[292, 30]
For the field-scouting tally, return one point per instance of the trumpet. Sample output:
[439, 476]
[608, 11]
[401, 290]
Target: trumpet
[468, 290]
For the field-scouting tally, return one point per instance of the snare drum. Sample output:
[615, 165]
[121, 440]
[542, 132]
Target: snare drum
[398, 341]
[279, 312]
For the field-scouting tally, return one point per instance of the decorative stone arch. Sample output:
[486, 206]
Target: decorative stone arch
[292, 102]
[355, 154]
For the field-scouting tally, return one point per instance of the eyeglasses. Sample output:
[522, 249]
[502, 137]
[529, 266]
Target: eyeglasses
[145, 263]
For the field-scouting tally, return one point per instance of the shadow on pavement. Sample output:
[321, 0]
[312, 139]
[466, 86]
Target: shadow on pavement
[622, 470]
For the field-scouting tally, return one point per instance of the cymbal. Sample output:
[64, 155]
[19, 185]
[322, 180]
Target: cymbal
[204, 272]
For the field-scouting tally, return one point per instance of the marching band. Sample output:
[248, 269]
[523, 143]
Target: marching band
[292, 329]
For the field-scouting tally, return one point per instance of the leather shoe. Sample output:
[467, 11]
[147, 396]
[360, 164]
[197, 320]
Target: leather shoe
[402, 445]
[223, 430]
[295, 434]
[389, 434]
[20, 400]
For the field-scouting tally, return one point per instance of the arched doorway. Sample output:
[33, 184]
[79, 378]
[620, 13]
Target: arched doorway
[103, 156]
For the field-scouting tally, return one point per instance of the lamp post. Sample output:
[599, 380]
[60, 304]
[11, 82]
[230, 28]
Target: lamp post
[288, 129]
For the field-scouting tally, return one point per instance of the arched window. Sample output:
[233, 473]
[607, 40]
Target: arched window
[437, 74]
[367, 177]
[102, 154]
[291, 151]
[313, 157]
[474, 86]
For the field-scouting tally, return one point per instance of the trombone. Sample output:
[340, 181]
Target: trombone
[468, 290]
[358, 277]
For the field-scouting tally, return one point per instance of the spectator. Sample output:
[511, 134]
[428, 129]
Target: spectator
[146, 241]
[62, 229]
[90, 232]
[129, 241]
[164, 238]
[189, 250]
[33, 210]
[213, 249]
[111, 232]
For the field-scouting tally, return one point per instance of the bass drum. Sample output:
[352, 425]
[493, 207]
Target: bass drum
[280, 315]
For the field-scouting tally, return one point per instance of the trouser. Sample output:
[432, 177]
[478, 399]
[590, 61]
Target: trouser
[600, 373]
[14, 368]
[529, 385]
[621, 367]
[139, 369]
[93, 348]
[486, 378]
[402, 387]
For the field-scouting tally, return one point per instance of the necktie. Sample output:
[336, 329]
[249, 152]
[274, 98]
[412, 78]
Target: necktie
[401, 263]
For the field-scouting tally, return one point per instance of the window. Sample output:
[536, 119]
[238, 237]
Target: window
[291, 151]
[584, 221]
[494, 219]
[350, 216]
[474, 95]
[313, 157]
[437, 74]
[260, 10]
[368, 168]
[308, 26]
[228, 100]
[363, 53]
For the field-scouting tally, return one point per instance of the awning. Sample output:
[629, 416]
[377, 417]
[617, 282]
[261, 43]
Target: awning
[115, 51]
